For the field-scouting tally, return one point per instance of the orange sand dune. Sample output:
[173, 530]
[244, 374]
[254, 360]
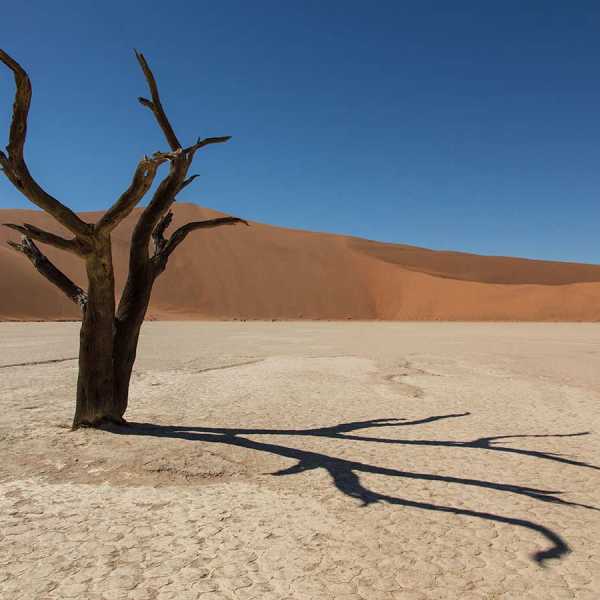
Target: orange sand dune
[266, 272]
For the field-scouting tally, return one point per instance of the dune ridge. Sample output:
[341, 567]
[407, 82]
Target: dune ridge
[268, 272]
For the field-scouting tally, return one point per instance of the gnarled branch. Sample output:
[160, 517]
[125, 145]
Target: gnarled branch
[18, 126]
[165, 194]
[173, 183]
[158, 235]
[140, 184]
[50, 272]
[163, 198]
[200, 143]
[155, 104]
[33, 232]
[14, 165]
[180, 234]
[187, 182]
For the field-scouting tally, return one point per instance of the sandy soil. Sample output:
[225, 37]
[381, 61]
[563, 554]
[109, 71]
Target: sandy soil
[265, 272]
[308, 461]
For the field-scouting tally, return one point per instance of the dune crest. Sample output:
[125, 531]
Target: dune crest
[267, 272]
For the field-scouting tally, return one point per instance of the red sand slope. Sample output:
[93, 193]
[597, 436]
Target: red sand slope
[265, 272]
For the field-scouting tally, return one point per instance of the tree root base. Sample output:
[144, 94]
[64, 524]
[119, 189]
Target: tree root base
[105, 423]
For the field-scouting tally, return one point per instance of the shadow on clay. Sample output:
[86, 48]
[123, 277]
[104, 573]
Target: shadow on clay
[345, 473]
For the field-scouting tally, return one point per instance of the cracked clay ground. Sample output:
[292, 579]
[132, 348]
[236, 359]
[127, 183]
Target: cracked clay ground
[304, 461]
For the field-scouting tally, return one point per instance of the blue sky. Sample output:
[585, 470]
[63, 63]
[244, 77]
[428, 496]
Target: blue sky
[472, 126]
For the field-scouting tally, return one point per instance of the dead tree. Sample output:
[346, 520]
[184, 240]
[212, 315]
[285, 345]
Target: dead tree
[109, 332]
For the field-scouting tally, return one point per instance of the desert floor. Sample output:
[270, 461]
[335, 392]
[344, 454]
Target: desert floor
[307, 461]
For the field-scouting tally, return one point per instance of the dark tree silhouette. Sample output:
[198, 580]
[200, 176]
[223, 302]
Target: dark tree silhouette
[109, 333]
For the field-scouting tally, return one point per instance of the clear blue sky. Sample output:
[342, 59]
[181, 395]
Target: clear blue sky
[472, 126]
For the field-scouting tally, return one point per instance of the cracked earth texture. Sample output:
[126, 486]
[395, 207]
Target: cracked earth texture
[299, 461]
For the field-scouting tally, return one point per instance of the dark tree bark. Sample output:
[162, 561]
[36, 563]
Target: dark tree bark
[109, 334]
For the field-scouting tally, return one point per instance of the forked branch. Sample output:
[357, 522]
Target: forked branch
[140, 184]
[161, 201]
[150, 224]
[165, 194]
[155, 105]
[200, 143]
[50, 271]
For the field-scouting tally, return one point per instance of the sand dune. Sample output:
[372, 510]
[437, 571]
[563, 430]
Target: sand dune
[266, 272]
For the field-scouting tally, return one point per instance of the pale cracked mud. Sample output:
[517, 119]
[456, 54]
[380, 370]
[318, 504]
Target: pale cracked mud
[307, 461]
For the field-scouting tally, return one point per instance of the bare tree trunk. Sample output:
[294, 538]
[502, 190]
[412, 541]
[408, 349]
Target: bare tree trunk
[95, 402]
[128, 323]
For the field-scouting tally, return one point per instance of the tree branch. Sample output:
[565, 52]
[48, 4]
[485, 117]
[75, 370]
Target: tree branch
[14, 165]
[50, 272]
[140, 184]
[155, 218]
[191, 150]
[155, 104]
[175, 181]
[163, 198]
[180, 234]
[187, 182]
[33, 232]
[18, 126]
[158, 235]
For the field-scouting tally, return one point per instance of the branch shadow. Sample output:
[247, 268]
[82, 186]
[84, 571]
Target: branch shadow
[345, 473]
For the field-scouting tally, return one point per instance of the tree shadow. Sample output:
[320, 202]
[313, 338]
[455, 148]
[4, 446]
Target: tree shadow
[345, 473]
